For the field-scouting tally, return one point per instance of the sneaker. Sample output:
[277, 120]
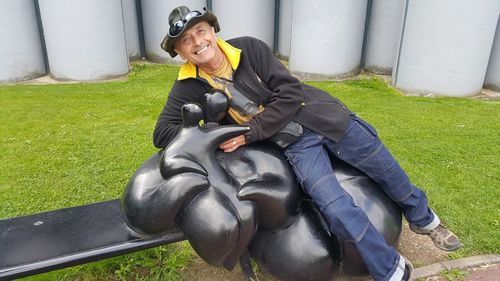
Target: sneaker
[441, 236]
[408, 270]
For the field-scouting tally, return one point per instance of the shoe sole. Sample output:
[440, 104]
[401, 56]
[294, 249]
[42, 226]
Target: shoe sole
[410, 266]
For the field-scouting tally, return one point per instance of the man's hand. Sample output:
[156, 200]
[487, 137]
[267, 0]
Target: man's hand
[232, 144]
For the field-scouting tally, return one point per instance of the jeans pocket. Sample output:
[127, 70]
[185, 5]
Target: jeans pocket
[366, 127]
[358, 143]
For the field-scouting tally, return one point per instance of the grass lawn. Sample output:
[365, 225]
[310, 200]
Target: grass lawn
[72, 144]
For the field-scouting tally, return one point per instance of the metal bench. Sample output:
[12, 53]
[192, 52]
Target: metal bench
[62, 238]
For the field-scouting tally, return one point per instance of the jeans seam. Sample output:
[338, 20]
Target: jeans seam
[379, 147]
[300, 178]
[361, 235]
[322, 179]
[407, 196]
[331, 202]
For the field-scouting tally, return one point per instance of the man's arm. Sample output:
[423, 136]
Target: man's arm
[286, 99]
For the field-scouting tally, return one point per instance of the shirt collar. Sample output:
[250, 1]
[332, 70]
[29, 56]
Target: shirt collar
[233, 54]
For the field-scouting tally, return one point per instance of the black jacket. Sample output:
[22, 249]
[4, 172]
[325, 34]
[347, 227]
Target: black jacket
[263, 79]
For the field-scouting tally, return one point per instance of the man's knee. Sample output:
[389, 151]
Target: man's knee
[346, 220]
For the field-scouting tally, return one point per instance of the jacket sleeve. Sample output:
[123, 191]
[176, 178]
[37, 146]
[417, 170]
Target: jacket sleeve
[286, 98]
[170, 119]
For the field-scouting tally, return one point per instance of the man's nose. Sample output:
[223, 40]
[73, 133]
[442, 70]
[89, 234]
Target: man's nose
[197, 40]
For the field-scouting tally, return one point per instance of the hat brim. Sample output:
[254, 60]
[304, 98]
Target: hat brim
[168, 42]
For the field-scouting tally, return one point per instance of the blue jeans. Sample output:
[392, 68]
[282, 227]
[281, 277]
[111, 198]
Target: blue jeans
[361, 148]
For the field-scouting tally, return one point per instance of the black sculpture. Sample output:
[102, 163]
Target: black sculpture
[226, 203]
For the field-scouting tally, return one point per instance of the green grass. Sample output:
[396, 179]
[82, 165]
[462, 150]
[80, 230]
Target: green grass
[73, 144]
[163, 263]
[453, 274]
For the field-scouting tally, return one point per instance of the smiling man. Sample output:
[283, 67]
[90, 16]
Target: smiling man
[307, 123]
[198, 45]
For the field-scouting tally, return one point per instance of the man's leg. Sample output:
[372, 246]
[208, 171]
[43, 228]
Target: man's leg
[362, 148]
[312, 167]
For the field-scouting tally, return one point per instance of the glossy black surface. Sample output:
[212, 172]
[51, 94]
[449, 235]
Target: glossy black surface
[216, 106]
[227, 202]
[302, 251]
[57, 239]
[216, 210]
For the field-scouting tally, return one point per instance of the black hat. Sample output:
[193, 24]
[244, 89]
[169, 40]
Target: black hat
[180, 20]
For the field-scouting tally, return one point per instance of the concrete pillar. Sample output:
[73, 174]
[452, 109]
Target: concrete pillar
[245, 18]
[327, 37]
[131, 29]
[285, 28]
[445, 46]
[85, 39]
[492, 80]
[382, 39]
[21, 55]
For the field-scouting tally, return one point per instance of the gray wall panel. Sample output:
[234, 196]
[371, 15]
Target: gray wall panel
[445, 46]
[327, 37]
[492, 80]
[85, 39]
[21, 55]
[383, 35]
[131, 29]
[245, 18]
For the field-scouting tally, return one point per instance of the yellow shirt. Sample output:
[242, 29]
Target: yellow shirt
[221, 77]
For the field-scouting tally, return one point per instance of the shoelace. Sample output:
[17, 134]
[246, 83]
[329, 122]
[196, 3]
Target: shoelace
[440, 229]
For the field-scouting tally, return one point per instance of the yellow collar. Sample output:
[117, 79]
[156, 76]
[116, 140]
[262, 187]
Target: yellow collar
[233, 54]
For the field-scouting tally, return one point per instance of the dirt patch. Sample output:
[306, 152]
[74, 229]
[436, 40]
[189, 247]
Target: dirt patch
[199, 270]
[489, 95]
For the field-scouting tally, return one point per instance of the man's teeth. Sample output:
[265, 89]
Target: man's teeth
[202, 50]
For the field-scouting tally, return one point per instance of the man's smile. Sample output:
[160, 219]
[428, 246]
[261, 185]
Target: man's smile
[201, 50]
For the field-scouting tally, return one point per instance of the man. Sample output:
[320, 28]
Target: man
[307, 122]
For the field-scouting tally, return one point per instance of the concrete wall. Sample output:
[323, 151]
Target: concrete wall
[445, 46]
[21, 55]
[492, 79]
[245, 18]
[384, 29]
[285, 28]
[327, 37]
[85, 39]
[131, 29]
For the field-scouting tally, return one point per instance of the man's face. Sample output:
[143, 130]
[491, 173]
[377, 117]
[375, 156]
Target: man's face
[198, 45]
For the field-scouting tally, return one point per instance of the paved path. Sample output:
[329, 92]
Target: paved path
[477, 268]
